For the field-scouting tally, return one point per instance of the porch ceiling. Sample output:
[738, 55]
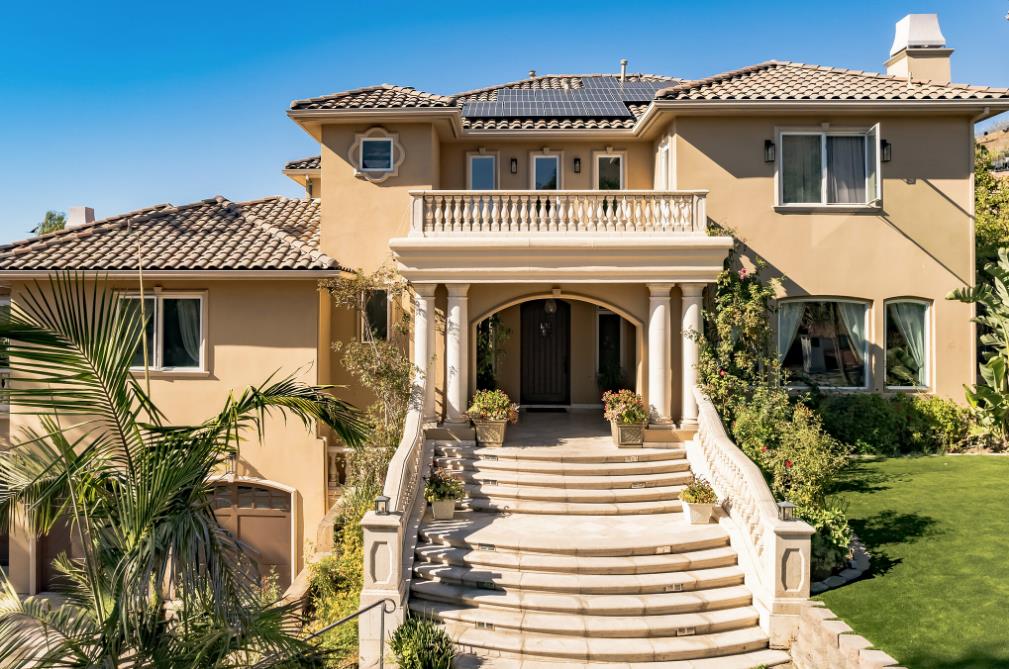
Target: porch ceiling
[539, 258]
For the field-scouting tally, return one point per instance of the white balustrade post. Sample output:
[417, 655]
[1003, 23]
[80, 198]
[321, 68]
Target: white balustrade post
[690, 328]
[383, 579]
[456, 352]
[658, 351]
[423, 342]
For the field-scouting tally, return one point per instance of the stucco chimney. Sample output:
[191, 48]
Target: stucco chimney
[919, 49]
[80, 216]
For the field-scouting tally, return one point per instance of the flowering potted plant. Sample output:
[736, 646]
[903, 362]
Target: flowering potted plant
[442, 489]
[491, 411]
[627, 414]
[699, 500]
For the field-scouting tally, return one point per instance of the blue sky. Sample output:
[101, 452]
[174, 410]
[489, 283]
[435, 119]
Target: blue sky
[119, 105]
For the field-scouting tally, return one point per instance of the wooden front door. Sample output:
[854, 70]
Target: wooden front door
[546, 352]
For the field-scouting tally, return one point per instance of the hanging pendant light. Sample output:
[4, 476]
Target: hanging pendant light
[550, 307]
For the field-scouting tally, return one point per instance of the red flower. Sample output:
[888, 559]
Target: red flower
[763, 449]
[721, 372]
[742, 273]
[788, 464]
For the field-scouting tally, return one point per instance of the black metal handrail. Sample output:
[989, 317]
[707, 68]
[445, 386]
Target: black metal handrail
[388, 606]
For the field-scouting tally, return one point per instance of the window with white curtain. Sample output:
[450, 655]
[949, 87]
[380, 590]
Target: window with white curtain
[823, 342]
[907, 344]
[829, 168]
[174, 327]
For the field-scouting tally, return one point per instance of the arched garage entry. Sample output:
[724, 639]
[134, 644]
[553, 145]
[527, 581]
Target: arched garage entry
[260, 515]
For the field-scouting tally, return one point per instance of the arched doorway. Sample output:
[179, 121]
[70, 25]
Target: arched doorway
[259, 515]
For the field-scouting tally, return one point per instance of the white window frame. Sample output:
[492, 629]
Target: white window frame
[929, 352]
[602, 311]
[871, 134]
[597, 155]
[159, 296]
[867, 367]
[392, 155]
[558, 156]
[476, 155]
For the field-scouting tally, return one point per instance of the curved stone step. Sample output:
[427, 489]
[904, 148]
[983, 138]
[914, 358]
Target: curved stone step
[574, 535]
[596, 605]
[610, 649]
[513, 478]
[499, 505]
[596, 626]
[576, 495]
[758, 658]
[612, 584]
[561, 454]
[723, 556]
[562, 468]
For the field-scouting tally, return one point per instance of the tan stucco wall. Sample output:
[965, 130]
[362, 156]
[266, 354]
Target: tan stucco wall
[254, 329]
[919, 245]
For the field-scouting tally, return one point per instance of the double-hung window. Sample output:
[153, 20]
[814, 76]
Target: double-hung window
[828, 168]
[175, 329]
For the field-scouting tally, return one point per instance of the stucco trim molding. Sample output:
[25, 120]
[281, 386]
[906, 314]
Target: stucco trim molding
[354, 154]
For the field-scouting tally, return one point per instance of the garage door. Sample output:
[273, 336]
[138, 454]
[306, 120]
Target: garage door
[259, 516]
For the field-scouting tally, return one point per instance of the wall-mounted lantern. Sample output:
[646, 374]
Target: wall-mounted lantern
[514, 165]
[578, 165]
[768, 151]
[885, 151]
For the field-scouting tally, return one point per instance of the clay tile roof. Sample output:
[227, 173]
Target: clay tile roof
[383, 96]
[777, 80]
[310, 163]
[274, 233]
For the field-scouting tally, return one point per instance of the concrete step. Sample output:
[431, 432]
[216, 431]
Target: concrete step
[600, 584]
[507, 505]
[723, 556]
[562, 454]
[597, 605]
[758, 658]
[576, 495]
[563, 468]
[679, 624]
[606, 482]
[609, 649]
[655, 534]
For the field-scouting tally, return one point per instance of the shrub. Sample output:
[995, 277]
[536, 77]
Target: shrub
[441, 485]
[421, 644]
[935, 424]
[760, 422]
[493, 405]
[806, 461]
[830, 545]
[625, 407]
[699, 491]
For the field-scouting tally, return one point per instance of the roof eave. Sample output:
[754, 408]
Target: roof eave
[988, 107]
[310, 119]
[222, 274]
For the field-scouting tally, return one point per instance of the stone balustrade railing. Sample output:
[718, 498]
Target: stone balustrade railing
[774, 553]
[438, 212]
[389, 537]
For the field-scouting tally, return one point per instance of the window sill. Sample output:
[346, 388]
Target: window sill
[828, 208]
[174, 373]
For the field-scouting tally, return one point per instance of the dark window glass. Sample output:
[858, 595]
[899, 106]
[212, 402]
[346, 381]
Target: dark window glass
[182, 332]
[823, 342]
[906, 344]
[546, 177]
[482, 172]
[801, 169]
[131, 309]
[376, 314]
[376, 154]
[608, 361]
[608, 171]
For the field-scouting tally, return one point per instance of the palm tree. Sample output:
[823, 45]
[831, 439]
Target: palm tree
[160, 584]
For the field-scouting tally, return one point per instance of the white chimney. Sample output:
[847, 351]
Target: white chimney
[919, 50]
[80, 216]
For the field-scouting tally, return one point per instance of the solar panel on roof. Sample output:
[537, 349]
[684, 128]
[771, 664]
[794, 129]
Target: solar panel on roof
[600, 97]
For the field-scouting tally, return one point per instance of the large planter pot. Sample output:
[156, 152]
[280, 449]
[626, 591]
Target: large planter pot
[698, 514]
[628, 435]
[490, 432]
[443, 509]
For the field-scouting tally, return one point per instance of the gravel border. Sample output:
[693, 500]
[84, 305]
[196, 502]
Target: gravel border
[857, 566]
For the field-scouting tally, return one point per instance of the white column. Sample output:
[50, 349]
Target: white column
[456, 352]
[423, 342]
[658, 351]
[690, 328]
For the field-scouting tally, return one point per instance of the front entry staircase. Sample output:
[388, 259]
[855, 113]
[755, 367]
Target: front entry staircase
[569, 555]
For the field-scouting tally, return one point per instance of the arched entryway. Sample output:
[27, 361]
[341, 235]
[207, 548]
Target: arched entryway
[556, 350]
[259, 514]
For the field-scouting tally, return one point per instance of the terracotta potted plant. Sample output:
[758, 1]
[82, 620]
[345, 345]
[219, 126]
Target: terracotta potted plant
[491, 411]
[628, 416]
[442, 490]
[699, 500]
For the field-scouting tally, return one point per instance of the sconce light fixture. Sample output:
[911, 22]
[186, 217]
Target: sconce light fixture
[232, 464]
[514, 165]
[885, 151]
[768, 151]
[578, 166]
[786, 511]
[382, 505]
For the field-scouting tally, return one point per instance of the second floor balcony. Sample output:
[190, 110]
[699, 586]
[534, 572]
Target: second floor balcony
[524, 212]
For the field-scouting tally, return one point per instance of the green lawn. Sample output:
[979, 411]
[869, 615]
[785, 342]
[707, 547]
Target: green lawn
[938, 530]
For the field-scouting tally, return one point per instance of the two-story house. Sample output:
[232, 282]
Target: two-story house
[583, 215]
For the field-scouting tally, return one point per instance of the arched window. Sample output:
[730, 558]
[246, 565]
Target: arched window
[823, 342]
[907, 343]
